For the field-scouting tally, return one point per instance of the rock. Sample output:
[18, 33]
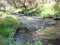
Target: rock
[57, 18]
[38, 28]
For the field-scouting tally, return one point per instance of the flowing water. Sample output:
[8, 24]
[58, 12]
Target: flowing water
[36, 28]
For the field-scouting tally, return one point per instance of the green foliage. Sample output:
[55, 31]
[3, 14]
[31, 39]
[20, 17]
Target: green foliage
[2, 41]
[6, 32]
[6, 41]
[48, 10]
[7, 24]
[28, 12]
[10, 41]
[57, 15]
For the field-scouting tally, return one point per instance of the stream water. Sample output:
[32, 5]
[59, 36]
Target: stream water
[37, 28]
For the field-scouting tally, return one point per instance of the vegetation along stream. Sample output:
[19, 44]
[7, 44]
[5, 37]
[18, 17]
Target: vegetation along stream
[29, 22]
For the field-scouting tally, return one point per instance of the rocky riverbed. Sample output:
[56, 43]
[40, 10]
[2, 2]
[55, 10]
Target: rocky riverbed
[36, 28]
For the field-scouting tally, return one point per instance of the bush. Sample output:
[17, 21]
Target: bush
[7, 24]
[6, 32]
[28, 12]
[47, 10]
[10, 41]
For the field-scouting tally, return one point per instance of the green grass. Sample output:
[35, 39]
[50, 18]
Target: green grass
[10, 41]
[6, 32]
[7, 25]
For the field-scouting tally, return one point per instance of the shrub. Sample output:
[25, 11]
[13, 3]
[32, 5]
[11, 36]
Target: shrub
[47, 10]
[57, 15]
[6, 32]
[28, 12]
[7, 24]
[2, 41]
[10, 41]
